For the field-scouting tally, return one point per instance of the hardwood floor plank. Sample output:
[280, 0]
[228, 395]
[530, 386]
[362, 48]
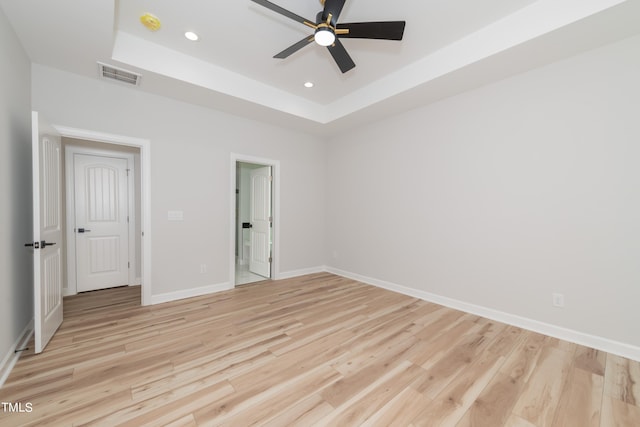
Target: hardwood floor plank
[539, 399]
[186, 421]
[166, 407]
[206, 375]
[616, 413]
[302, 414]
[372, 398]
[622, 380]
[275, 402]
[435, 345]
[450, 406]
[312, 350]
[581, 399]
[357, 380]
[457, 360]
[516, 421]
[590, 360]
[400, 410]
[495, 403]
[377, 352]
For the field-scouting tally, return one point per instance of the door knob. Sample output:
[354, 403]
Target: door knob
[44, 244]
[83, 230]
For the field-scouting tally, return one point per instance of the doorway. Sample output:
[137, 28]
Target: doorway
[254, 219]
[144, 218]
[102, 205]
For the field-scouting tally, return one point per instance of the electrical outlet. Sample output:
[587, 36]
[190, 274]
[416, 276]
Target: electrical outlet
[203, 268]
[558, 300]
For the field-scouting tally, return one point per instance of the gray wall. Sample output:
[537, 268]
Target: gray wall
[501, 196]
[16, 276]
[191, 151]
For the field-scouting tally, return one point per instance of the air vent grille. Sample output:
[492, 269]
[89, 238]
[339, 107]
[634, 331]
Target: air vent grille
[110, 72]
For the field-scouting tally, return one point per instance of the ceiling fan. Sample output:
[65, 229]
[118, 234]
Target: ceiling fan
[328, 32]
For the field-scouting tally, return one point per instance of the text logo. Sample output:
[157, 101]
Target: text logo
[17, 407]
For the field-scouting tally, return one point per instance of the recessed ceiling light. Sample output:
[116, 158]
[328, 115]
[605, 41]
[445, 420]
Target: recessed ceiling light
[308, 84]
[191, 36]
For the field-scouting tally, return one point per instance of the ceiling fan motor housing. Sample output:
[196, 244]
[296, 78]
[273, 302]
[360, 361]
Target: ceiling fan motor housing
[320, 19]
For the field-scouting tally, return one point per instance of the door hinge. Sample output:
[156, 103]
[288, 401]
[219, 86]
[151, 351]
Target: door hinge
[128, 265]
[127, 219]
[128, 172]
[270, 259]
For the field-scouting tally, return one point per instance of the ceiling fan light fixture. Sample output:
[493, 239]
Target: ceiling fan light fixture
[324, 36]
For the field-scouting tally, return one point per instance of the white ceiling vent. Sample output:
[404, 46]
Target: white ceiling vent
[124, 76]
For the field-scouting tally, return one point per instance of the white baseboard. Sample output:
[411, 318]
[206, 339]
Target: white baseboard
[10, 359]
[188, 293]
[204, 290]
[301, 272]
[610, 346]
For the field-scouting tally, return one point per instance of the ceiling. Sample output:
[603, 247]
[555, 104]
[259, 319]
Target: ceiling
[449, 46]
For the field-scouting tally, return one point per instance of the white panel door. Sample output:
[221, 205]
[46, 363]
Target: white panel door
[47, 232]
[101, 222]
[260, 219]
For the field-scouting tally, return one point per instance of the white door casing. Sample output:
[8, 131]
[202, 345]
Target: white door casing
[144, 145]
[47, 231]
[260, 219]
[101, 222]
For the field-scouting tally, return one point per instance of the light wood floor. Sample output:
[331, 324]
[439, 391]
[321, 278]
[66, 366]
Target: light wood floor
[315, 350]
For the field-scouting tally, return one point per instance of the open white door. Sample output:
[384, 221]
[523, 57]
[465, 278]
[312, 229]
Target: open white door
[260, 207]
[47, 231]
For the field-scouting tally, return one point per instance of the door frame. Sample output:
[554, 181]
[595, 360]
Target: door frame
[70, 152]
[145, 192]
[275, 212]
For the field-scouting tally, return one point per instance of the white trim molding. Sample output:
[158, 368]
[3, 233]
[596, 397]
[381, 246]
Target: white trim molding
[301, 272]
[190, 293]
[610, 346]
[12, 356]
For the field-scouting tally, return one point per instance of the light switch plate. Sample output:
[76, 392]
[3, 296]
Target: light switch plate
[175, 215]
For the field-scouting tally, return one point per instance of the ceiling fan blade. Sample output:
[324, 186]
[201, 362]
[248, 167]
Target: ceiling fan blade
[333, 7]
[294, 48]
[389, 30]
[341, 56]
[284, 12]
